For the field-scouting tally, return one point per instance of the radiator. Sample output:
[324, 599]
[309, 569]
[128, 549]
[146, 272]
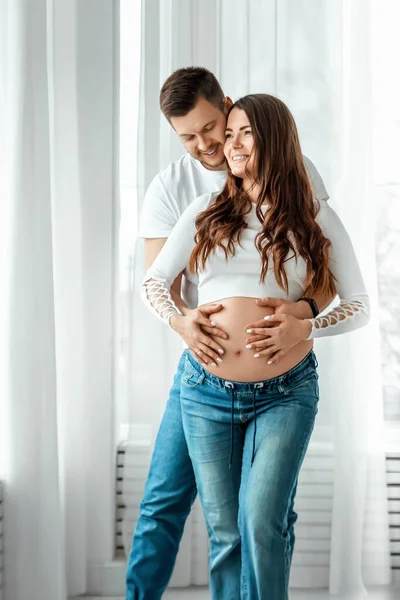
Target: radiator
[393, 485]
[313, 529]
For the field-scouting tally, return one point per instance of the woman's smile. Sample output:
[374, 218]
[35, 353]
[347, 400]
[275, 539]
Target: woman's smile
[239, 143]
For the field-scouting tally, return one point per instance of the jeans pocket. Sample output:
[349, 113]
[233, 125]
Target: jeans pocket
[191, 377]
[307, 383]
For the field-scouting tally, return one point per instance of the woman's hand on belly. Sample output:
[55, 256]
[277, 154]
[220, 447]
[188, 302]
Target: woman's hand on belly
[239, 363]
[193, 327]
[277, 335]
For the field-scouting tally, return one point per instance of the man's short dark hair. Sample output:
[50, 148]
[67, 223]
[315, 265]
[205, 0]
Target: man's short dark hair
[182, 90]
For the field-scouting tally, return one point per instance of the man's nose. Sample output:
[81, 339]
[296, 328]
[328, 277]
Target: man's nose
[204, 144]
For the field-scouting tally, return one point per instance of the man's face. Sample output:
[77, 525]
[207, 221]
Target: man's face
[202, 132]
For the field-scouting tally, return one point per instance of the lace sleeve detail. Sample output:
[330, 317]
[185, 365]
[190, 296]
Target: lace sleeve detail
[173, 259]
[353, 310]
[157, 297]
[347, 316]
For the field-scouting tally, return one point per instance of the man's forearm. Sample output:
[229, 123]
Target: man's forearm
[175, 292]
[179, 302]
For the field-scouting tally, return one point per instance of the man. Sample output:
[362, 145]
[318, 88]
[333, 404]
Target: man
[193, 102]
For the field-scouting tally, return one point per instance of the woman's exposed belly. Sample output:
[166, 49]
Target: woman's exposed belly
[239, 363]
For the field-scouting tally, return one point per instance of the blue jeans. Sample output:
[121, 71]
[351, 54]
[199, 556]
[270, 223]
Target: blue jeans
[168, 497]
[247, 442]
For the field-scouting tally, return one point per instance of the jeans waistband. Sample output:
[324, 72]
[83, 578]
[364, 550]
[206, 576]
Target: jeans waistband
[308, 364]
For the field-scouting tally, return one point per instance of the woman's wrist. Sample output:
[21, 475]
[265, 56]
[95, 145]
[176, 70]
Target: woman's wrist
[304, 310]
[308, 327]
[300, 309]
[174, 321]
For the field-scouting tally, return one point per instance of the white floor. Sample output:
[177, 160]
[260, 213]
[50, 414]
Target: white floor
[202, 594]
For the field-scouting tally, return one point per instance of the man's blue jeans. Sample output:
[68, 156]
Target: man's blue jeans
[168, 497]
[247, 442]
[169, 494]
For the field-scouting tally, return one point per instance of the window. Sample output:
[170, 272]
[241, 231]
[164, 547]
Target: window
[385, 49]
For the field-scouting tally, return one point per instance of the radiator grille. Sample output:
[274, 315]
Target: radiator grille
[393, 483]
[313, 505]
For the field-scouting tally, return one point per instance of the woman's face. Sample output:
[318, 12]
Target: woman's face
[239, 143]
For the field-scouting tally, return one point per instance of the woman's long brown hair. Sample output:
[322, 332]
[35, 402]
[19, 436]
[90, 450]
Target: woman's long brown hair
[289, 227]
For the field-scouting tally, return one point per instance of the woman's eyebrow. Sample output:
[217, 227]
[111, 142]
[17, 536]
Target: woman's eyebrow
[241, 128]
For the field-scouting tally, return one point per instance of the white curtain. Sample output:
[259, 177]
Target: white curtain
[315, 55]
[48, 416]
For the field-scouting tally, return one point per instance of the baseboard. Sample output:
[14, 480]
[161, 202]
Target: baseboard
[109, 579]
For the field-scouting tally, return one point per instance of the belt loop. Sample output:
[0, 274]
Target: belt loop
[253, 453]
[281, 387]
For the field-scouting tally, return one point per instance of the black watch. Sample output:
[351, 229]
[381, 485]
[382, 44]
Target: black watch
[312, 304]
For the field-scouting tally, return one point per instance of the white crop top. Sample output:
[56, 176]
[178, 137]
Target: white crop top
[239, 276]
[175, 188]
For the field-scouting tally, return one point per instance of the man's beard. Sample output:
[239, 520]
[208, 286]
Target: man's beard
[212, 166]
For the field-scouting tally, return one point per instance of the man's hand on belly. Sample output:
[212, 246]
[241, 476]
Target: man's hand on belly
[300, 310]
[208, 310]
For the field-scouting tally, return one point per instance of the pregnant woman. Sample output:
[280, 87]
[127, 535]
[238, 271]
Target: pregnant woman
[248, 423]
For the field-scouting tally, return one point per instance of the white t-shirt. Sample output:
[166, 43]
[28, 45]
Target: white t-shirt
[175, 188]
[239, 275]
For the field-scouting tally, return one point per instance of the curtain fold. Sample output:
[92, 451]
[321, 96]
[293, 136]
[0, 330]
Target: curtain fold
[34, 526]
[44, 501]
[360, 511]
[315, 56]
[46, 420]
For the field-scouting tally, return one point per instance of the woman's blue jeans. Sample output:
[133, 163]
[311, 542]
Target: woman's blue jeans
[247, 442]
